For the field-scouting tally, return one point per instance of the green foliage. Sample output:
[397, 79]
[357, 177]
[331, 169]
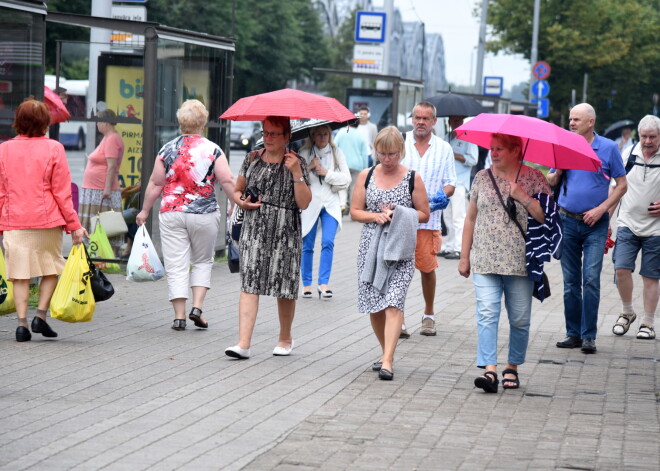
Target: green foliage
[341, 58]
[613, 41]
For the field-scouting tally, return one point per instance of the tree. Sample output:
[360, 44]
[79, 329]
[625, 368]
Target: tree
[341, 58]
[275, 41]
[613, 41]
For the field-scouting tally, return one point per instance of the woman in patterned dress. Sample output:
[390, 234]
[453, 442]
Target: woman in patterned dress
[185, 172]
[271, 237]
[494, 249]
[100, 188]
[388, 186]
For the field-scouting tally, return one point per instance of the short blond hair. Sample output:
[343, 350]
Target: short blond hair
[390, 139]
[192, 116]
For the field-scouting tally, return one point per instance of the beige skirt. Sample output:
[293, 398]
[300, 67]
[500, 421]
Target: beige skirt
[31, 253]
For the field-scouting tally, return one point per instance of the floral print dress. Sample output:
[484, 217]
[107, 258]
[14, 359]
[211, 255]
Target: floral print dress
[370, 300]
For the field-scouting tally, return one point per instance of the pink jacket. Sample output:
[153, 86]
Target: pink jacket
[35, 185]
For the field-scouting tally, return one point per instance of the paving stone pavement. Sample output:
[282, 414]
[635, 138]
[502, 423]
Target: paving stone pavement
[125, 392]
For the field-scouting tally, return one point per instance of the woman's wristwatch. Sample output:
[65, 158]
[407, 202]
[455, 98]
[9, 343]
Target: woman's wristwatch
[301, 179]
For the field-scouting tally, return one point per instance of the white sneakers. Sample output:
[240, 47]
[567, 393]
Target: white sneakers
[283, 351]
[238, 352]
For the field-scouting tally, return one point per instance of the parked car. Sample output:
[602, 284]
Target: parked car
[244, 134]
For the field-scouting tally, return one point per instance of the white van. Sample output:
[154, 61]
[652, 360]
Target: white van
[73, 133]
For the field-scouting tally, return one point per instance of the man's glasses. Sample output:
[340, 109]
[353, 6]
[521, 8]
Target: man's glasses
[271, 134]
[393, 155]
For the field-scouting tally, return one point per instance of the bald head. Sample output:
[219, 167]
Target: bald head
[582, 120]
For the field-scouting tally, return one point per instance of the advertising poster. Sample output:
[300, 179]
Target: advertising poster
[124, 88]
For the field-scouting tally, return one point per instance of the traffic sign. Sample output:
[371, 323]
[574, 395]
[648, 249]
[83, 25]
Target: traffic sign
[540, 89]
[493, 86]
[370, 27]
[543, 107]
[541, 70]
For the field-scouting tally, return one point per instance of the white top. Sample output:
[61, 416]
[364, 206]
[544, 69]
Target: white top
[464, 169]
[322, 194]
[370, 131]
[643, 188]
[436, 167]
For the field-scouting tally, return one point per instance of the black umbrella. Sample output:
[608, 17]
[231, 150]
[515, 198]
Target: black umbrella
[614, 131]
[453, 104]
[300, 128]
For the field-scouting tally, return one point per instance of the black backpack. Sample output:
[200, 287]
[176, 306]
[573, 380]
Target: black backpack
[411, 182]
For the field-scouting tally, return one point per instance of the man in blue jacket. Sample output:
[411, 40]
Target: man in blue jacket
[584, 206]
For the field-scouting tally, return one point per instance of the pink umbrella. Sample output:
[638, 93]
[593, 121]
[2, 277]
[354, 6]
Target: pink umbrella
[293, 104]
[543, 143]
[58, 112]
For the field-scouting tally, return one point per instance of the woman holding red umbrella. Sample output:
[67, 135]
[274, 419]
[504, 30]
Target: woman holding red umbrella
[494, 250]
[272, 187]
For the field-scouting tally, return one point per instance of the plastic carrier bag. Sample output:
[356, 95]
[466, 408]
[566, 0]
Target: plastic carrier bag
[7, 305]
[73, 300]
[143, 263]
[99, 247]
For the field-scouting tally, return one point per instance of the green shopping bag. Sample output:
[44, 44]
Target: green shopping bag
[99, 247]
[7, 305]
[73, 300]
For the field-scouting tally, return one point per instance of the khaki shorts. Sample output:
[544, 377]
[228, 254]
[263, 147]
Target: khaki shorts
[426, 252]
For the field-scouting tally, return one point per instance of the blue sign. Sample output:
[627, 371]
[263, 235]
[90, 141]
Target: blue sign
[370, 27]
[493, 86]
[543, 107]
[540, 89]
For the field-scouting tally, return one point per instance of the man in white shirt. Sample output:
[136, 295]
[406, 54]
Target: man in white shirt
[433, 158]
[367, 128]
[466, 155]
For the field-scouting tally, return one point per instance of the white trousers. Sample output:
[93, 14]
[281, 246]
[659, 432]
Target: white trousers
[454, 216]
[188, 239]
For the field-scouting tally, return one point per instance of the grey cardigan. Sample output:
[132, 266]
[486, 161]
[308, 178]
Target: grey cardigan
[390, 243]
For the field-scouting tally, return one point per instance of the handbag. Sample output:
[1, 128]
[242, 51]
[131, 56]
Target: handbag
[101, 286]
[112, 221]
[337, 188]
[511, 212]
[236, 222]
[233, 259]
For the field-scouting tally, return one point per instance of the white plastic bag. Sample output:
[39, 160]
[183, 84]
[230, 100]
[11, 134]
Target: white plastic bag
[143, 263]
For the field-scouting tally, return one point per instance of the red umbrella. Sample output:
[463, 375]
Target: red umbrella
[543, 143]
[293, 104]
[58, 112]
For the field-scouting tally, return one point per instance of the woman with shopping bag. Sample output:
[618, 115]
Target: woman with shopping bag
[35, 178]
[185, 172]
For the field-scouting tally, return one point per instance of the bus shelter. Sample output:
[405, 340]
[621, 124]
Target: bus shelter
[144, 72]
[388, 105]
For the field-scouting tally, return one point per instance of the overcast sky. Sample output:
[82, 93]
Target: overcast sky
[460, 33]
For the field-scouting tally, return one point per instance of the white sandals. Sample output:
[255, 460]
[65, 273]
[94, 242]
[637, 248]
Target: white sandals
[623, 323]
[646, 332]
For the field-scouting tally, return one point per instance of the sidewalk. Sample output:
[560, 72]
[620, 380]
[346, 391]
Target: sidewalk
[125, 392]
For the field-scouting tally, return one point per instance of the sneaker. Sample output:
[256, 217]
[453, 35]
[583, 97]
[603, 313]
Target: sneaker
[453, 256]
[404, 334]
[444, 253]
[428, 327]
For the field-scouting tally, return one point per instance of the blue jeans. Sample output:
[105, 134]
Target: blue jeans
[583, 248]
[329, 227]
[517, 292]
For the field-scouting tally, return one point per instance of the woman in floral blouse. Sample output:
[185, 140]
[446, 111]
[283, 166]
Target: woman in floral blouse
[185, 172]
[494, 249]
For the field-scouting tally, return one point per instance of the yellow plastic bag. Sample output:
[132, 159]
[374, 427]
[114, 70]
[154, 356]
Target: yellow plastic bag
[7, 305]
[73, 300]
[99, 247]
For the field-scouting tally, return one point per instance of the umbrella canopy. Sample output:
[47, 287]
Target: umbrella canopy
[614, 131]
[543, 143]
[58, 112]
[452, 104]
[300, 128]
[294, 104]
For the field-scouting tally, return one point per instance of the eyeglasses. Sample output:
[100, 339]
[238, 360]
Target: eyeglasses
[393, 155]
[271, 134]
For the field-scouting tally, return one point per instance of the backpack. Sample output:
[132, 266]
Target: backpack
[411, 182]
